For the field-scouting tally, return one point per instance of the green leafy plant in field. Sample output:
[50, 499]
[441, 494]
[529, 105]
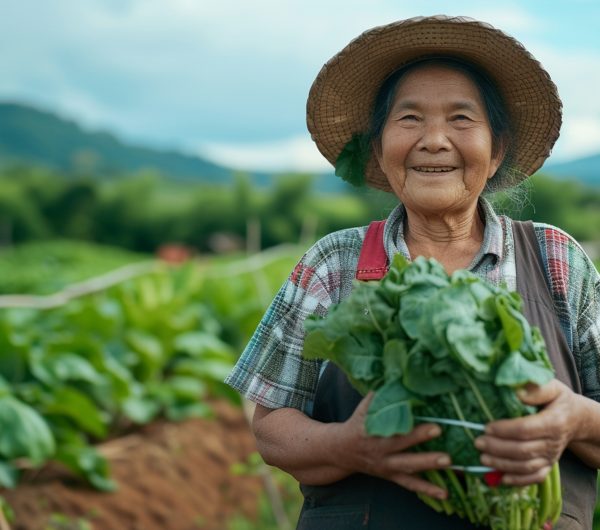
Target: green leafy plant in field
[59, 521]
[78, 374]
[449, 350]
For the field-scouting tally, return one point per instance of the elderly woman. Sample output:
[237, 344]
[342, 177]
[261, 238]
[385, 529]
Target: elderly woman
[436, 110]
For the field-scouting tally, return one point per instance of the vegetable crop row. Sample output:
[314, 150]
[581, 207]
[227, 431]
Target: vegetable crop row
[154, 346]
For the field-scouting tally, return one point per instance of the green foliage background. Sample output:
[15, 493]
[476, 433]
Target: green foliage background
[141, 211]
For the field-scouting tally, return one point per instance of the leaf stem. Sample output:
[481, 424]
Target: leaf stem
[479, 398]
[461, 494]
[459, 413]
[373, 319]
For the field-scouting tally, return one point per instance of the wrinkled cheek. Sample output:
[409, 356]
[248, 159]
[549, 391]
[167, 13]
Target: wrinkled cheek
[397, 181]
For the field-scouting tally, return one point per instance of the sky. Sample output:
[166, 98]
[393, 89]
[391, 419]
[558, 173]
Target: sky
[228, 79]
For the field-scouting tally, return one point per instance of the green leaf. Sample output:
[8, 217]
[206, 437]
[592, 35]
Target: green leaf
[471, 346]
[24, 432]
[512, 404]
[390, 411]
[149, 350]
[9, 475]
[425, 272]
[70, 402]
[394, 359]
[352, 161]
[184, 387]
[89, 464]
[200, 343]
[516, 370]
[4, 387]
[184, 411]
[140, 409]
[205, 370]
[317, 343]
[511, 323]
[148, 345]
[420, 378]
[56, 368]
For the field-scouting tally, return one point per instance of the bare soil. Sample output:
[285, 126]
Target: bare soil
[171, 476]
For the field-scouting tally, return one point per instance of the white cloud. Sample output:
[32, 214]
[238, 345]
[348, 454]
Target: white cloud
[293, 154]
[577, 76]
[580, 137]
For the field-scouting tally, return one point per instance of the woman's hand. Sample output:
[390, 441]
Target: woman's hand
[389, 458]
[526, 448]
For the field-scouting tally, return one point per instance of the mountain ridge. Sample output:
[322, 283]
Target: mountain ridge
[29, 134]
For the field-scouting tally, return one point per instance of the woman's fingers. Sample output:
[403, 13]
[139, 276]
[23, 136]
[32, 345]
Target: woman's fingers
[421, 433]
[511, 479]
[519, 450]
[391, 457]
[519, 467]
[540, 395]
[416, 462]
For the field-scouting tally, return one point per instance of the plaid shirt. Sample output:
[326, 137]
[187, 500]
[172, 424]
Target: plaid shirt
[272, 372]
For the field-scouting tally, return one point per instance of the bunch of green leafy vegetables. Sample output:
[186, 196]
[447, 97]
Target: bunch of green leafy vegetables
[450, 347]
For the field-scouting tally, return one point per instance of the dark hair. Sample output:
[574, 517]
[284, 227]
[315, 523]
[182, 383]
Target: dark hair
[494, 106]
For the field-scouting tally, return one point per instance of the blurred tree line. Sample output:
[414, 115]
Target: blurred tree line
[143, 211]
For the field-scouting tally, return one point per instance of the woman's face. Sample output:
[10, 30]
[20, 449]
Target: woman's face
[436, 145]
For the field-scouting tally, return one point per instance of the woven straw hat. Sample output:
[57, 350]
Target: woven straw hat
[342, 96]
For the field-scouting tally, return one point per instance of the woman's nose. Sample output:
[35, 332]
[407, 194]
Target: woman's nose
[434, 137]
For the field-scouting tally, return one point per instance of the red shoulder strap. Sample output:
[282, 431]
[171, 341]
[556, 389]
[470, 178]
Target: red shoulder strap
[373, 261]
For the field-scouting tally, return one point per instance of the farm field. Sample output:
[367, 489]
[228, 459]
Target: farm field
[118, 385]
[125, 373]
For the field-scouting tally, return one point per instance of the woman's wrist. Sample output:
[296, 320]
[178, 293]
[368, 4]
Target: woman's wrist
[585, 415]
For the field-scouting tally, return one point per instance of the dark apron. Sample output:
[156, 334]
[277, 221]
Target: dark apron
[362, 501]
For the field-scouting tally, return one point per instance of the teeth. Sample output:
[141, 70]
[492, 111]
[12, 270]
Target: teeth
[433, 169]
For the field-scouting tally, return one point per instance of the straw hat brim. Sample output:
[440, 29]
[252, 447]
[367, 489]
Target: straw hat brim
[341, 99]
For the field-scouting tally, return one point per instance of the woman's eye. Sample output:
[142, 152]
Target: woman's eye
[409, 117]
[461, 117]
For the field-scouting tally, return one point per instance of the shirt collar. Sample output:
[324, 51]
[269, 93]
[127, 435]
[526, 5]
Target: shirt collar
[493, 238]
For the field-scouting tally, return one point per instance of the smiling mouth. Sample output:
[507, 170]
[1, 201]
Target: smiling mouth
[436, 169]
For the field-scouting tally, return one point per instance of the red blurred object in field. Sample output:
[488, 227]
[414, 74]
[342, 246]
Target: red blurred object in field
[493, 478]
[174, 253]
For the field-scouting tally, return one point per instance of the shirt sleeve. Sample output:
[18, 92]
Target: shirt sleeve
[575, 287]
[271, 370]
[588, 333]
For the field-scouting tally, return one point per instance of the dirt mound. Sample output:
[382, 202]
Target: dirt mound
[171, 476]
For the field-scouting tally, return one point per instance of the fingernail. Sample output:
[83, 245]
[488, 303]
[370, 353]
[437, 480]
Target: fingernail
[441, 495]
[522, 393]
[443, 461]
[434, 431]
[480, 443]
[486, 460]
[507, 480]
